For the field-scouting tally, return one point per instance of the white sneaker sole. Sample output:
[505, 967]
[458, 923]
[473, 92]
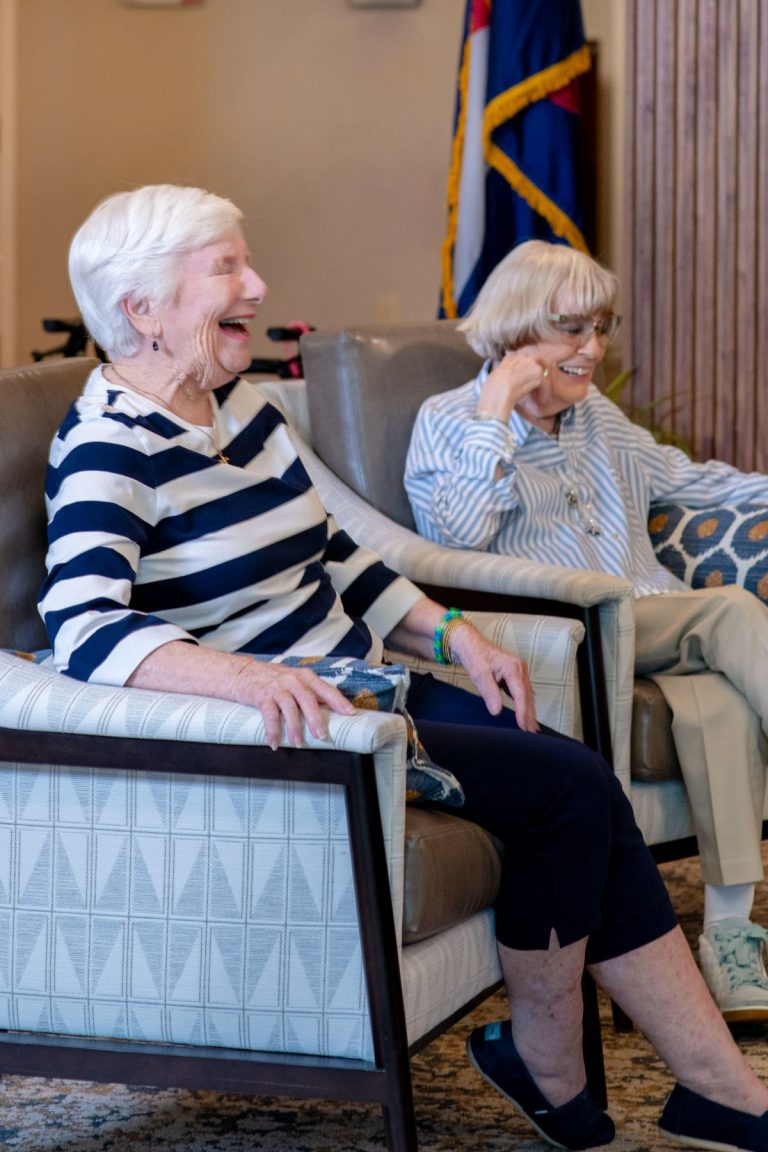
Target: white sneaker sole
[745, 1014]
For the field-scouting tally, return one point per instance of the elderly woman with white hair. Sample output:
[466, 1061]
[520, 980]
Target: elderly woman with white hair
[530, 459]
[186, 544]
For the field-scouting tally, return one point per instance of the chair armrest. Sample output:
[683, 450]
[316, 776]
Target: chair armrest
[36, 697]
[607, 658]
[46, 717]
[607, 663]
[425, 562]
[548, 644]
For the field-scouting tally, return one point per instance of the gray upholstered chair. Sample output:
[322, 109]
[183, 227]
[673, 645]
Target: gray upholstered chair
[181, 906]
[364, 386]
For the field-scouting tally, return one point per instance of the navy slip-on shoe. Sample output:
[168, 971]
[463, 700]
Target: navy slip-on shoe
[700, 1123]
[575, 1125]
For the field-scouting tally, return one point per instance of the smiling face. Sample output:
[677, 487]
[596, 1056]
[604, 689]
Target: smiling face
[204, 329]
[570, 356]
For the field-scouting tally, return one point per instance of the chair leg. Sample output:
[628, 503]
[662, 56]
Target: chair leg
[593, 1043]
[400, 1126]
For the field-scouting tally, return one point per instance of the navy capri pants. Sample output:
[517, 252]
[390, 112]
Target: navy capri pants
[574, 859]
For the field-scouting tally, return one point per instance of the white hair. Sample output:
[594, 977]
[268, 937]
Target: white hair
[533, 281]
[128, 248]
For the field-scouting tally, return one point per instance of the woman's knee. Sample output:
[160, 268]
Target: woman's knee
[581, 774]
[570, 793]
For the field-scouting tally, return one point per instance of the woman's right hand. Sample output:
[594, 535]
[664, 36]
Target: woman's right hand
[513, 378]
[288, 697]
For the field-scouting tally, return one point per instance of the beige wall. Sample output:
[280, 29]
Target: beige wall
[330, 127]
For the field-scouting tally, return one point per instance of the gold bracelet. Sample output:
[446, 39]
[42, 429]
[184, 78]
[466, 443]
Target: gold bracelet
[445, 640]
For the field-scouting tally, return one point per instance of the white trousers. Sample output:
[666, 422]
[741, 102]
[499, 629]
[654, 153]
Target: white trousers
[707, 649]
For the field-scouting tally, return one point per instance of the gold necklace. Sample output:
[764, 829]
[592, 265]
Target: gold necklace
[211, 436]
[156, 400]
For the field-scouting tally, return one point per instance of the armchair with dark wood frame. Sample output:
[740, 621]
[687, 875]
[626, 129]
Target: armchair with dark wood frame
[65, 745]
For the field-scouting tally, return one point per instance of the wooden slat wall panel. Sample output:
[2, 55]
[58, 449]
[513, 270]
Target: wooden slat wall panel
[641, 311]
[761, 247]
[745, 169]
[665, 145]
[726, 232]
[696, 212]
[682, 380]
[703, 196]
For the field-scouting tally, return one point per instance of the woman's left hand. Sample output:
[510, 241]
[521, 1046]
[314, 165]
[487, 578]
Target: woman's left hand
[491, 669]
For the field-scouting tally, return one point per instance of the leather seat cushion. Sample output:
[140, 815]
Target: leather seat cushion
[453, 867]
[452, 870]
[653, 754]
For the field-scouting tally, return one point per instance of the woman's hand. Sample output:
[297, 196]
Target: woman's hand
[513, 378]
[286, 697]
[491, 669]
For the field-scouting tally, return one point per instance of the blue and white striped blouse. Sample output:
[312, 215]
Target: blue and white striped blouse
[152, 538]
[601, 472]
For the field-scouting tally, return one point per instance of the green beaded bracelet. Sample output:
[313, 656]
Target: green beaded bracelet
[441, 656]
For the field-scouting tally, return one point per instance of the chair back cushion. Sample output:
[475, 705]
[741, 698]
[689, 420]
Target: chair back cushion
[364, 388]
[33, 401]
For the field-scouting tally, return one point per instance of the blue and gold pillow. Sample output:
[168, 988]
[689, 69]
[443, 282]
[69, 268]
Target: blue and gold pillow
[709, 547]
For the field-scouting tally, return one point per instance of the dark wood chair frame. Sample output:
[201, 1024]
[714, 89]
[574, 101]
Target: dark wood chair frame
[385, 1081]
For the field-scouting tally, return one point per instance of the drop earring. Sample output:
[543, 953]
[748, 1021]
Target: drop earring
[155, 346]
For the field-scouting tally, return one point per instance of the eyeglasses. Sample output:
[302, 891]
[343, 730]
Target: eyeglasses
[580, 328]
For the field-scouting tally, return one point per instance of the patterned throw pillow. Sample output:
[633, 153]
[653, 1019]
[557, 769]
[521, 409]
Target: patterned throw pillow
[383, 688]
[708, 547]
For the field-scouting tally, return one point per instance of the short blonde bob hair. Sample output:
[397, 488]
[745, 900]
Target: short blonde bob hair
[129, 247]
[533, 281]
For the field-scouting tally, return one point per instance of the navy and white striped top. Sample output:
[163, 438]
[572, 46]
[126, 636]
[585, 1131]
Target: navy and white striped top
[600, 470]
[152, 539]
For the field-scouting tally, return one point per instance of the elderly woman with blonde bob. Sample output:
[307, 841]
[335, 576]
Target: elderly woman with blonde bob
[189, 551]
[530, 459]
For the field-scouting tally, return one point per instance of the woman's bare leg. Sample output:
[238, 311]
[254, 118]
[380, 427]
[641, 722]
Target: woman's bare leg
[662, 990]
[546, 1008]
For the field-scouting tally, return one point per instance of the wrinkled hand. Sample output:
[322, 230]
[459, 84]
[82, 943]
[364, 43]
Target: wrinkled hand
[288, 697]
[516, 376]
[491, 669]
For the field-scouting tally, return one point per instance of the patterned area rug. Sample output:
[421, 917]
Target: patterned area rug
[456, 1111]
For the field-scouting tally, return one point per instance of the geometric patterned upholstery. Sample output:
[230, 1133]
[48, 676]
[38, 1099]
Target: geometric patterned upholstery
[158, 906]
[181, 909]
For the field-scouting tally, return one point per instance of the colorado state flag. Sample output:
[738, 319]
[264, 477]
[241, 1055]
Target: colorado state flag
[516, 161]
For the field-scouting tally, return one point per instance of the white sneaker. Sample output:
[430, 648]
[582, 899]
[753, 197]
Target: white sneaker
[732, 956]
